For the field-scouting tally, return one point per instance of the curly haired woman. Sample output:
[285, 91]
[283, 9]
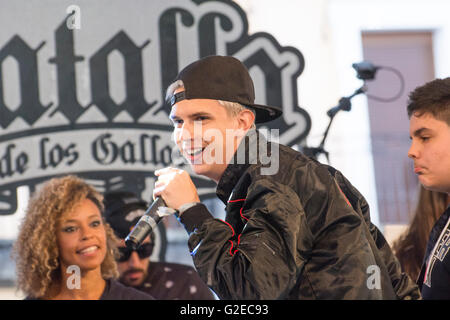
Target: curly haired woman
[65, 250]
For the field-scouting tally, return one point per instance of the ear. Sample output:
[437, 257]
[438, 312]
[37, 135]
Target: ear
[246, 118]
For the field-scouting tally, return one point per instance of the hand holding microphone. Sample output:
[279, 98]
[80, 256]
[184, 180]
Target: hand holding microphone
[173, 188]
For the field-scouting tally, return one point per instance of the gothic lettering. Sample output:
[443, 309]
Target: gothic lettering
[30, 108]
[11, 163]
[134, 103]
[52, 155]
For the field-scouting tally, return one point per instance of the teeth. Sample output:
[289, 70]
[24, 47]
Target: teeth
[88, 250]
[194, 152]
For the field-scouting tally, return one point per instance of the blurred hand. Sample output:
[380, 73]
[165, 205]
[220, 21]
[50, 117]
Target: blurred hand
[175, 186]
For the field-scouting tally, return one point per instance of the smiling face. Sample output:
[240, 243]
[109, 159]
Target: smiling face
[81, 237]
[207, 135]
[430, 150]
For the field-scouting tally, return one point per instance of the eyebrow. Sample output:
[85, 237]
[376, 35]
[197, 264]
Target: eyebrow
[420, 131]
[74, 221]
[192, 115]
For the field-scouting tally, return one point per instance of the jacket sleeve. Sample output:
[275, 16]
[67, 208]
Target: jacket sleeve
[262, 261]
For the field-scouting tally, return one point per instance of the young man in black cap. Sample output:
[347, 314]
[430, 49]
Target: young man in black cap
[290, 232]
[429, 114]
[162, 280]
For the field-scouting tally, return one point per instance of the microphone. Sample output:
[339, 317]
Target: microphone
[147, 223]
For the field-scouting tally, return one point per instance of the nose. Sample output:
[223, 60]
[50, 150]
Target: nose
[183, 133]
[190, 132]
[86, 233]
[134, 259]
[413, 152]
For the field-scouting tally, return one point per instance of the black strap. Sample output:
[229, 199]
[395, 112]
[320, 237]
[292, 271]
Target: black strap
[177, 97]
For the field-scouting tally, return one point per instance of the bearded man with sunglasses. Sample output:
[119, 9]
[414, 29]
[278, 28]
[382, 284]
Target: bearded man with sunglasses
[164, 281]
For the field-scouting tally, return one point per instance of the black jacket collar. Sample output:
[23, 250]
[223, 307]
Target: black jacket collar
[242, 159]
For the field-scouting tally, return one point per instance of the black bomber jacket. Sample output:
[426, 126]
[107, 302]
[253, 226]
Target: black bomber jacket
[301, 232]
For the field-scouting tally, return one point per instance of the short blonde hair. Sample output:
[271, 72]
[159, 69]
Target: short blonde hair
[36, 251]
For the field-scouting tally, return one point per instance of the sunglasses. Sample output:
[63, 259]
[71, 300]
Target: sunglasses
[144, 251]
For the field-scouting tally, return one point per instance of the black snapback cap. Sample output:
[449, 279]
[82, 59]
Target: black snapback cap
[222, 78]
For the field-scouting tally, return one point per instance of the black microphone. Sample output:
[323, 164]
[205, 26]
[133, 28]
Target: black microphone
[147, 223]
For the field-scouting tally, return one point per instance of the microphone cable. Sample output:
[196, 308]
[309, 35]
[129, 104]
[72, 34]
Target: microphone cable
[400, 92]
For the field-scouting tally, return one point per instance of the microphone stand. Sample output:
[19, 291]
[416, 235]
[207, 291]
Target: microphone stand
[344, 105]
